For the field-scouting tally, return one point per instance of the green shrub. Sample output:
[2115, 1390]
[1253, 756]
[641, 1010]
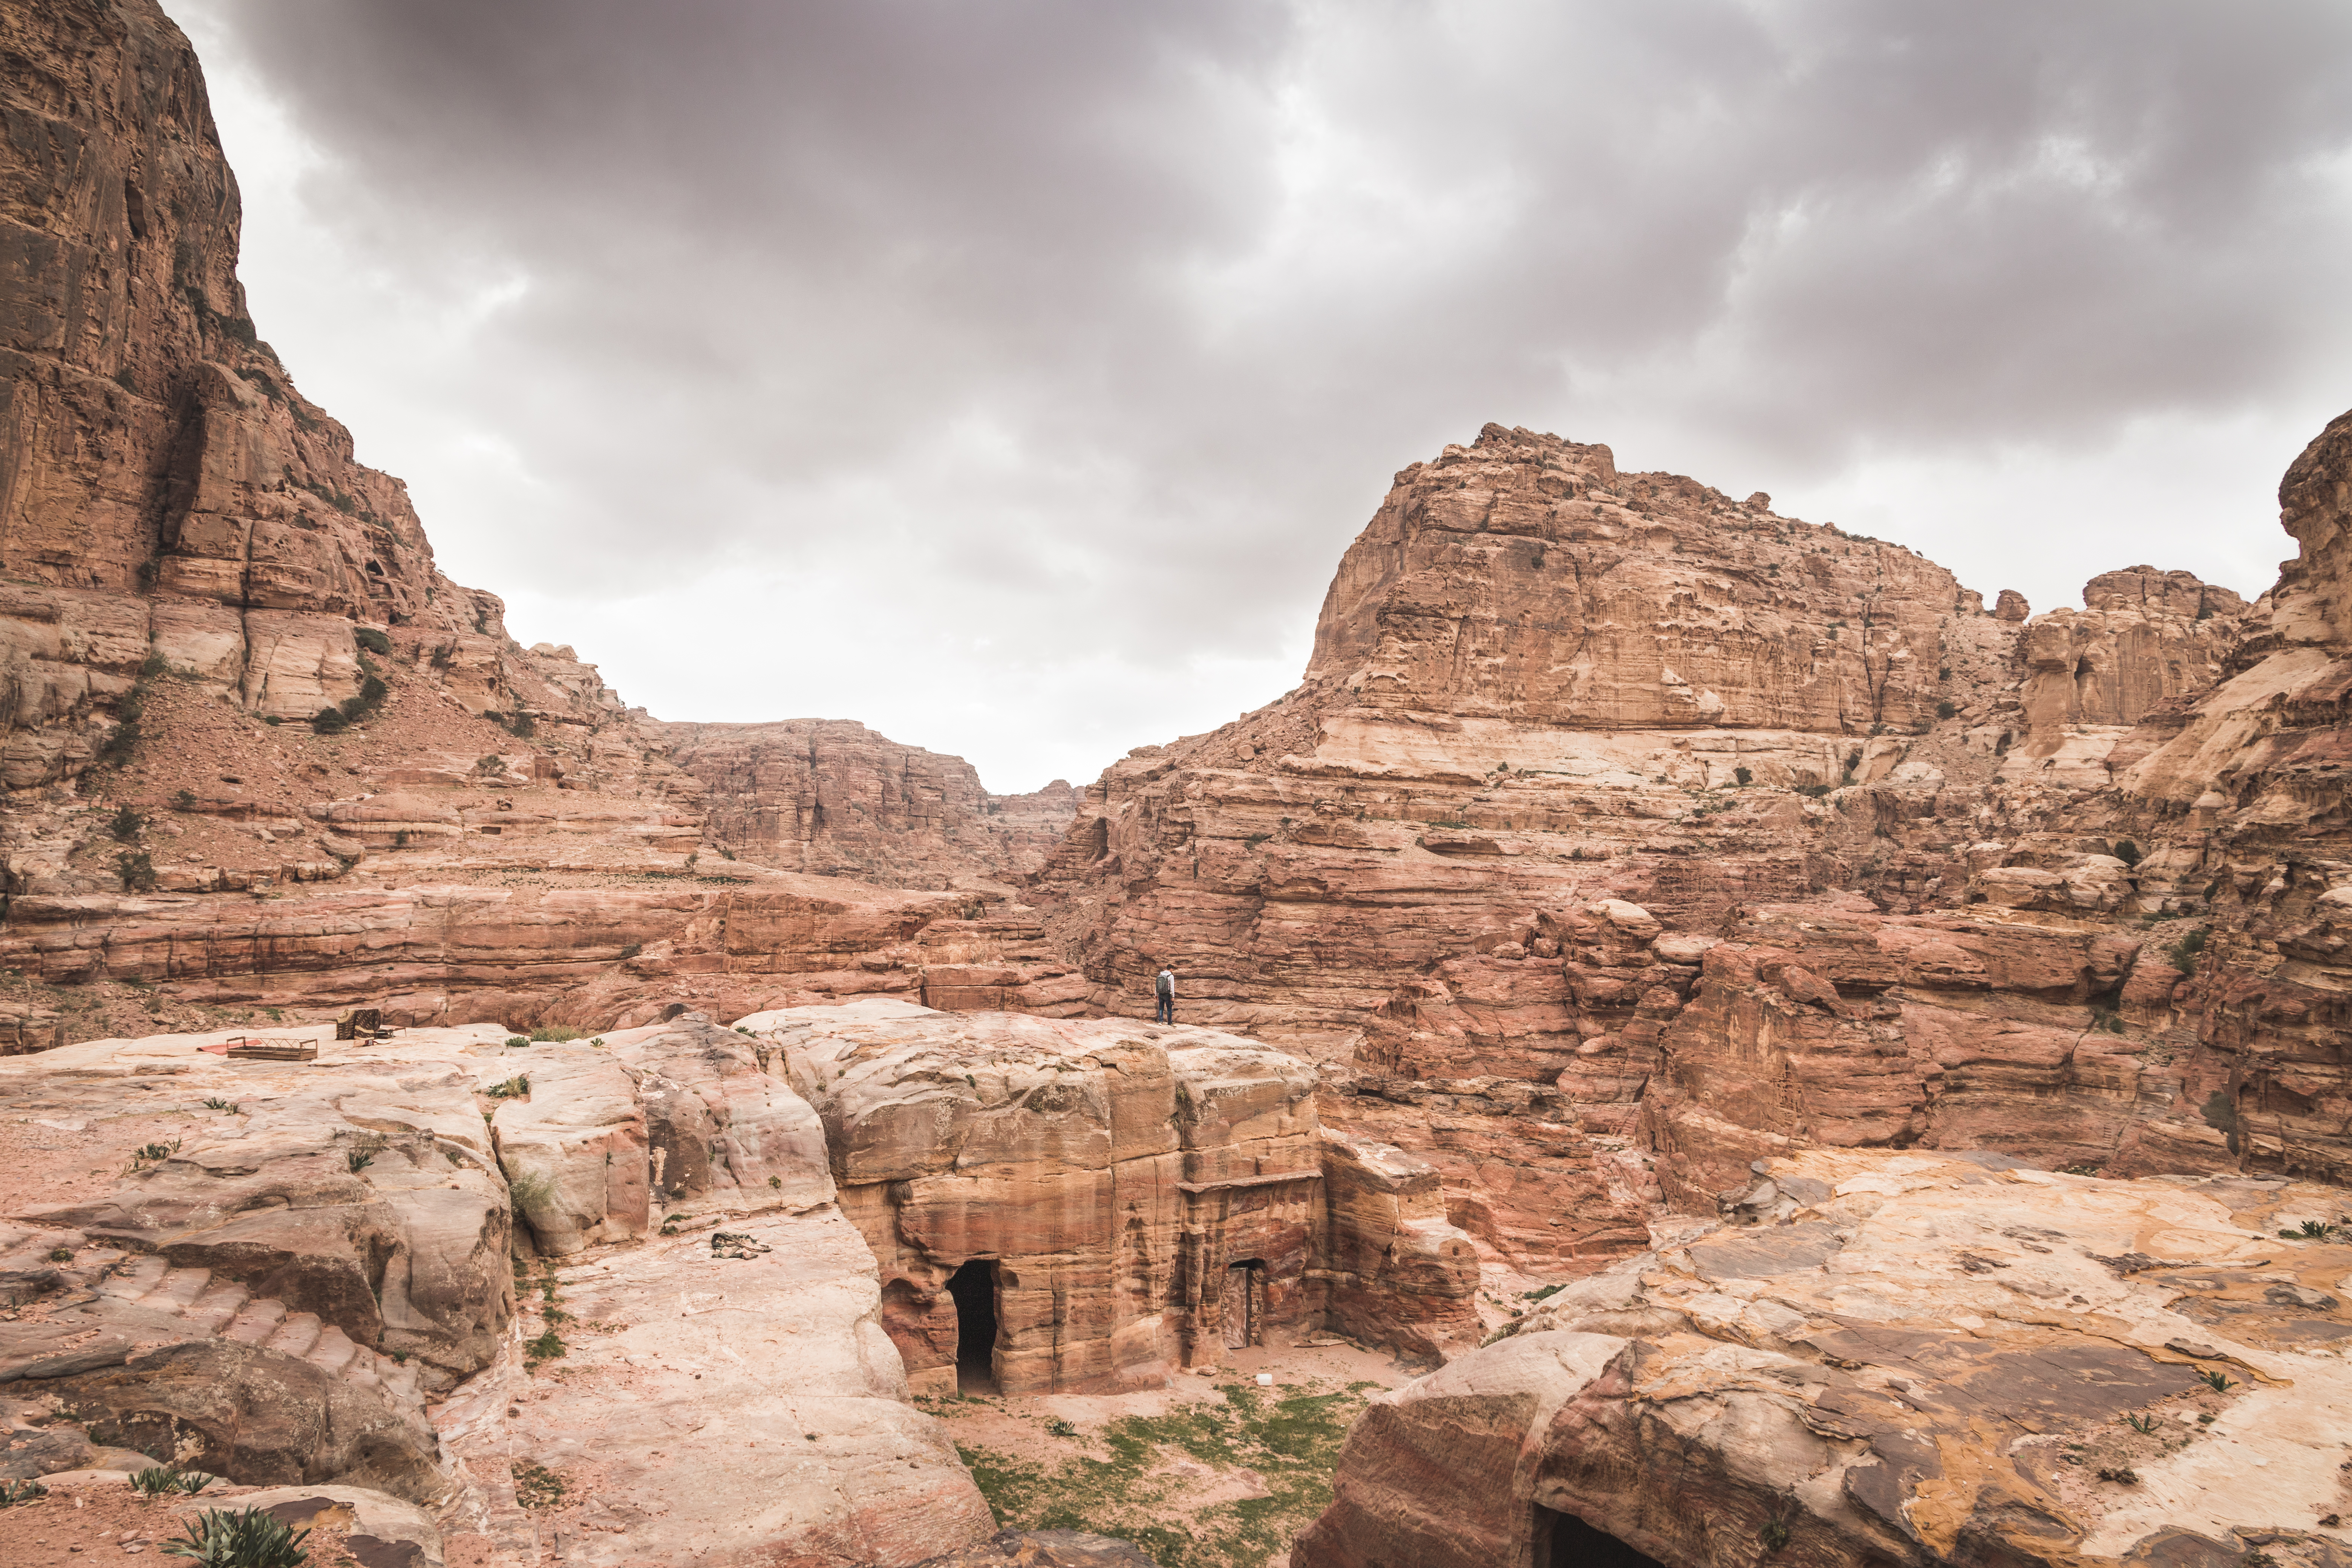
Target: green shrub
[554, 1034]
[184, 801]
[513, 1088]
[137, 871]
[124, 826]
[1813, 790]
[1743, 775]
[2127, 851]
[247, 1538]
[2184, 953]
[372, 640]
[330, 722]
[13, 1492]
[1946, 708]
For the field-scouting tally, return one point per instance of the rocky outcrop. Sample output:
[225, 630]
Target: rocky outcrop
[1082, 1204]
[1892, 1358]
[832, 798]
[198, 569]
[312, 1280]
[1565, 730]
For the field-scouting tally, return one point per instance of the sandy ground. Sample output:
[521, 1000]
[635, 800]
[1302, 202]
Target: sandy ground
[111, 1523]
[70, 1153]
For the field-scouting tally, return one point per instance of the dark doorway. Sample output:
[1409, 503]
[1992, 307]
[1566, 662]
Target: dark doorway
[1564, 1540]
[1243, 1309]
[974, 1289]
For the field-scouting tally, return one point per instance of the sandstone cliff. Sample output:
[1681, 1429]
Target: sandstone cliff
[1622, 834]
[199, 570]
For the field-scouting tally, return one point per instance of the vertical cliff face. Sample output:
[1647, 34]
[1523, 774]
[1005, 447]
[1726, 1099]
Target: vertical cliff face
[192, 569]
[1623, 834]
[831, 797]
[165, 491]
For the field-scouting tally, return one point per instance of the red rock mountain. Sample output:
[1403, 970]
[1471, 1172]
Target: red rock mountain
[194, 567]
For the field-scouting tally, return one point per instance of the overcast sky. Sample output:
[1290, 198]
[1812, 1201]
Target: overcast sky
[1011, 376]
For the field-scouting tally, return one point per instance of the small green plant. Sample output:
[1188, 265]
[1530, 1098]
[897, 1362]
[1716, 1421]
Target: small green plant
[554, 1034]
[547, 1347]
[514, 1041]
[329, 721]
[2184, 953]
[2083, 1170]
[61, 1255]
[1061, 1428]
[512, 1088]
[184, 801]
[2119, 1474]
[137, 871]
[537, 1485]
[2312, 1230]
[246, 1538]
[124, 825]
[489, 765]
[2127, 851]
[370, 638]
[215, 1102]
[2214, 1380]
[2143, 1425]
[13, 1492]
[158, 1480]
[359, 1159]
[1947, 708]
[1743, 775]
[153, 1154]
[777, 1183]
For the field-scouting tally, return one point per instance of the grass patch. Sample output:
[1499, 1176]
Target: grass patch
[1292, 1440]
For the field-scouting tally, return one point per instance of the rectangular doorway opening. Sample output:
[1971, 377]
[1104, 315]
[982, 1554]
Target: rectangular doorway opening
[974, 1287]
[1564, 1540]
[1243, 1307]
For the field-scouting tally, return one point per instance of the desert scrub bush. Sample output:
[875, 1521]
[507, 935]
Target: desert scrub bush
[137, 869]
[124, 825]
[554, 1034]
[329, 721]
[215, 1102]
[2183, 954]
[536, 1486]
[514, 1087]
[1946, 708]
[159, 1481]
[2127, 851]
[1743, 775]
[245, 1538]
[60, 1255]
[374, 641]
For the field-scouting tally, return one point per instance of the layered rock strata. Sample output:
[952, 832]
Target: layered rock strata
[1565, 730]
[1130, 1199]
[198, 567]
[1893, 1358]
[308, 1275]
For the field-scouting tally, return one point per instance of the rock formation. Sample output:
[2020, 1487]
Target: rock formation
[309, 1280]
[1621, 834]
[261, 753]
[1120, 1200]
[1901, 1358]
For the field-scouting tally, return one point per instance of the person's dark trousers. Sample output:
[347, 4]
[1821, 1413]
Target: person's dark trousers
[1166, 1011]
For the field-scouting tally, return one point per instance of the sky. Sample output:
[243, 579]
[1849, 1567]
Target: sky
[1011, 377]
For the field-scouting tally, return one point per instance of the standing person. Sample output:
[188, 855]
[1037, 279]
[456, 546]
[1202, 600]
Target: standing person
[1163, 990]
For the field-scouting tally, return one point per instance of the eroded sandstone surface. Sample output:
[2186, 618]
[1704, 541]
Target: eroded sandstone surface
[1622, 834]
[307, 1272]
[1914, 1358]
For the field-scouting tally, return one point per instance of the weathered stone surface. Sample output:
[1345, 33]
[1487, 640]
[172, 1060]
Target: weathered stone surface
[1114, 1174]
[1905, 1358]
[832, 798]
[1044, 1549]
[732, 1411]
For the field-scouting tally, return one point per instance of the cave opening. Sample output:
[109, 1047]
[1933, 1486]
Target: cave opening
[1564, 1540]
[973, 1287]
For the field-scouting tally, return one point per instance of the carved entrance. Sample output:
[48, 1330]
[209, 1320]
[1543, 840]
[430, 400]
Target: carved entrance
[1564, 1540]
[1242, 1309]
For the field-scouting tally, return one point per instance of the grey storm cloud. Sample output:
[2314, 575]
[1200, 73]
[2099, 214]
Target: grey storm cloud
[1011, 376]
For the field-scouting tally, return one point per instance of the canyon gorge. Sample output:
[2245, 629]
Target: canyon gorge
[1900, 1040]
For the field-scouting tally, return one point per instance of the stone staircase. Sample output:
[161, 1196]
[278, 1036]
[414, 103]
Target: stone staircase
[226, 1309]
